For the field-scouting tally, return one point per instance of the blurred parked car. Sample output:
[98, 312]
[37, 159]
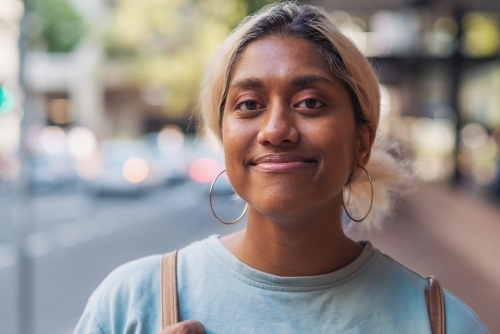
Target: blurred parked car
[171, 152]
[206, 162]
[126, 167]
[49, 172]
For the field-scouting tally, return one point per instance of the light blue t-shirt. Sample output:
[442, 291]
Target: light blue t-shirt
[373, 294]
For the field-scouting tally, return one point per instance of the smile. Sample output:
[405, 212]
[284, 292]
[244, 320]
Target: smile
[283, 163]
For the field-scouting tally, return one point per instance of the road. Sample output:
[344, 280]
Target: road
[77, 240]
[85, 238]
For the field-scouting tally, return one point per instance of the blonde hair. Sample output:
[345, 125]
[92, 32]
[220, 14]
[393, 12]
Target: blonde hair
[388, 171]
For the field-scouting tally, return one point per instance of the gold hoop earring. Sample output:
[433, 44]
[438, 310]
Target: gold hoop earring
[212, 208]
[371, 201]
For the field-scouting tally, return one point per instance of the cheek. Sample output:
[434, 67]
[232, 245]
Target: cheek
[237, 141]
[235, 138]
[336, 140]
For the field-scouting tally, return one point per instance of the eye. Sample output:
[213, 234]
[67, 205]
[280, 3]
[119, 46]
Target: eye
[309, 104]
[249, 106]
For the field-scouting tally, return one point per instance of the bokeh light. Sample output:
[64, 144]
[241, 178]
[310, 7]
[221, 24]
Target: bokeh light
[9, 133]
[433, 141]
[478, 154]
[170, 139]
[82, 144]
[135, 170]
[7, 100]
[481, 34]
[474, 135]
[204, 170]
[53, 140]
[441, 39]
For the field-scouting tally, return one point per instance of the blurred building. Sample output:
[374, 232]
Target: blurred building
[439, 64]
[11, 111]
[101, 70]
[121, 69]
[62, 64]
[128, 70]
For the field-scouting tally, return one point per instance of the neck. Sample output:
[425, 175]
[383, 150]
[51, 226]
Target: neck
[304, 244]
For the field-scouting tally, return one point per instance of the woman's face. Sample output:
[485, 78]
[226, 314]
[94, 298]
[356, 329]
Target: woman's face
[289, 134]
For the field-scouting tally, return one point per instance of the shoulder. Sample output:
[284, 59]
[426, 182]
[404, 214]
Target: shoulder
[130, 278]
[126, 300]
[459, 317]
[197, 258]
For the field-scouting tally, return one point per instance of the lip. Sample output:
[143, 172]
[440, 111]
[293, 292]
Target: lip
[283, 162]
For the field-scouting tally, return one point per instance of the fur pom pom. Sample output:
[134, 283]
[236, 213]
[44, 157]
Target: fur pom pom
[392, 170]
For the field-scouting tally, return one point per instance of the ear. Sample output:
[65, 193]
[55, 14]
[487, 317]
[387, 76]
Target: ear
[366, 137]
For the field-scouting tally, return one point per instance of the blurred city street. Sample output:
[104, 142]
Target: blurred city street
[438, 230]
[104, 157]
[84, 250]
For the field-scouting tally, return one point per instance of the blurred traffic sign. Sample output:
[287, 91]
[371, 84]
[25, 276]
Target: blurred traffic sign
[7, 100]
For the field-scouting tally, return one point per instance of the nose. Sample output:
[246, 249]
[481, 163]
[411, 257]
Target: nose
[278, 126]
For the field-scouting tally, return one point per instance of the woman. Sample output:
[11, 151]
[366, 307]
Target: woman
[296, 107]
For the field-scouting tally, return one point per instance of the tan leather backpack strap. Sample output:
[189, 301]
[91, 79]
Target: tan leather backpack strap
[434, 298]
[169, 303]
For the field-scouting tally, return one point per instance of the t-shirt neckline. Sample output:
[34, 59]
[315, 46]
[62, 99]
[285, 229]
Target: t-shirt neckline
[301, 283]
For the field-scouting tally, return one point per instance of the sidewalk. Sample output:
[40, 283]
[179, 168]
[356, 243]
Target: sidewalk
[454, 236]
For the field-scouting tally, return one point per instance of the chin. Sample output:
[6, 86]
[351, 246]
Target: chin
[281, 204]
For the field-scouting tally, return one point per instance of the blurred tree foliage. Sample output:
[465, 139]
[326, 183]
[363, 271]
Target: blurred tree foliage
[169, 42]
[55, 25]
[255, 5]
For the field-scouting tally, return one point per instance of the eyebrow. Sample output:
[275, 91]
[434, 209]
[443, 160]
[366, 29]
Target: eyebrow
[310, 79]
[248, 83]
[301, 81]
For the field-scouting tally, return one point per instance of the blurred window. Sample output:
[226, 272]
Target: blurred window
[479, 98]
[481, 34]
[59, 111]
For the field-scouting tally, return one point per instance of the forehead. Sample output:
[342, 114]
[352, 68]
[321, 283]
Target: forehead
[281, 57]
